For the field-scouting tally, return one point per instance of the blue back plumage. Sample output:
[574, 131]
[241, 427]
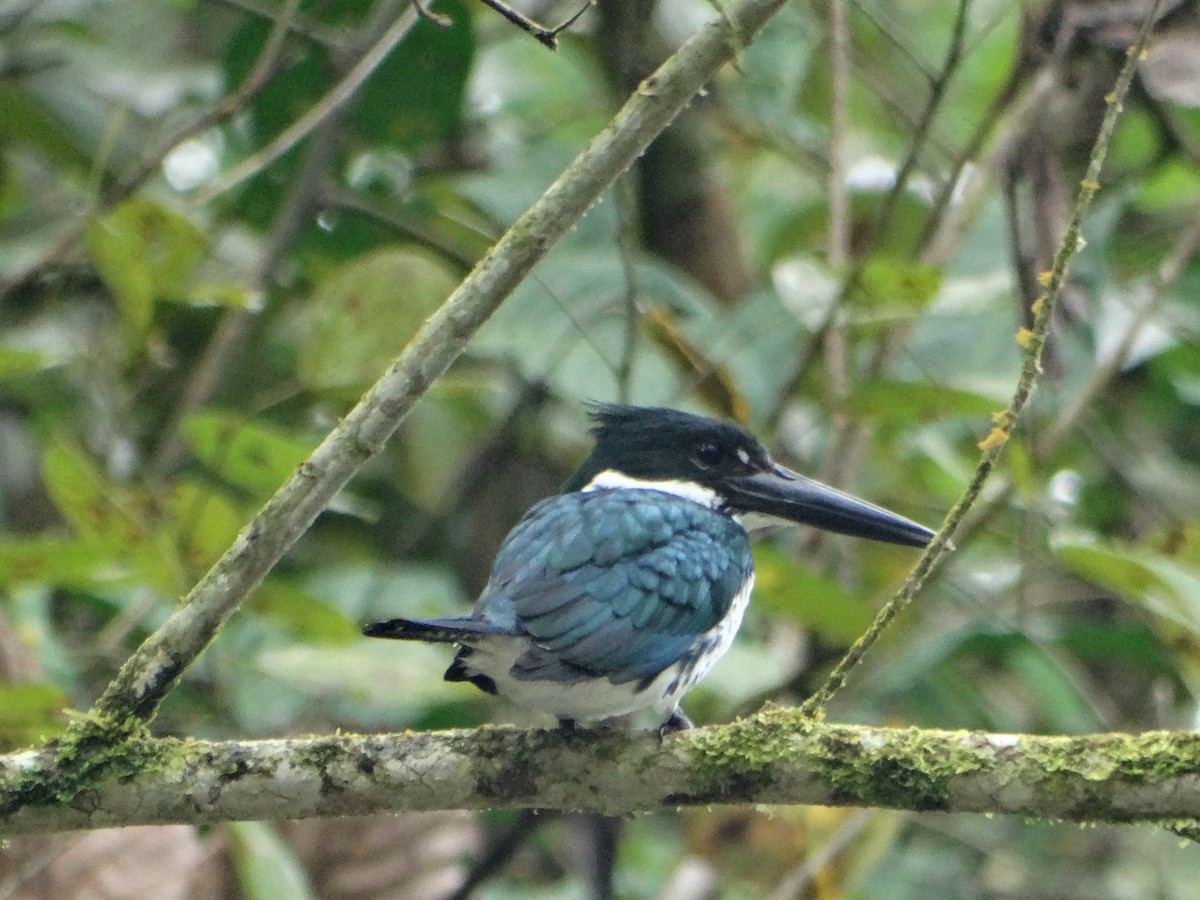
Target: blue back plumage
[614, 583]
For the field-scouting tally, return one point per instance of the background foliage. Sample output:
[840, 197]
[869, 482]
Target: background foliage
[841, 265]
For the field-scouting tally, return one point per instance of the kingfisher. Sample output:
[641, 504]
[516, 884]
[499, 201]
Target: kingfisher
[620, 593]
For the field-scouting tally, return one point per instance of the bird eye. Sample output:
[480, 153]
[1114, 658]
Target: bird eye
[708, 455]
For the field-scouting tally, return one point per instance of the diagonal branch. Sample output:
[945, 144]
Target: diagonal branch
[154, 667]
[777, 757]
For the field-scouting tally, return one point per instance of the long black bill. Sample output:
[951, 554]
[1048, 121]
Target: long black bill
[784, 494]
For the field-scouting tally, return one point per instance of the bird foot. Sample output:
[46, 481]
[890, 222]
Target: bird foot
[677, 722]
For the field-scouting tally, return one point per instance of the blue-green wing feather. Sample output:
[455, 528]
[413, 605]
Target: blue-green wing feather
[615, 583]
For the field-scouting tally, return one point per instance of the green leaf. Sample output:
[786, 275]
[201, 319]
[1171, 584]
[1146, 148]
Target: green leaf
[78, 490]
[439, 435]
[14, 363]
[904, 402]
[252, 455]
[144, 252]
[302, 614]
[203, 523]
[62, 562]
[28, 121]
[266, 866]
[220, 294]
[787, 589]
[30, 714]
[369, 680]
[889, 288]
[114, 517]
[1174, 184]
[1045, 682]
[1165, 587]
[359, 319]
[1133, 646]
[416, 95]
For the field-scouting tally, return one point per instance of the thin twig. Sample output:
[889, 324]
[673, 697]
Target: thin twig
[322, 109]
[1167, 274]
[838, 239]
[293, 216]
[412, 227]
[887, 209]
[264, 67]
[1033, 341]
[795, 882]
[430, 16]
[330, 38]
[937, 93]
[547, 36]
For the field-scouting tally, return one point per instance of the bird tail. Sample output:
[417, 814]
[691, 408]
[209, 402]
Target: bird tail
[437, 631]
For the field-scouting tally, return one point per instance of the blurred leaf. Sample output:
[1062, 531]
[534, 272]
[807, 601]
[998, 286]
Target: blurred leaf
[27, 121]
[252, 455]
[787, 589]
[62, 562]
[301, 614]
[416, 94]
[439, 436]
[380, 591]
[746, 672]
[81, 493]
[291, 92]
[1134, 646]
[889, 288]
[215, 294]
[111, 516]
[1165, 587]
[1173, 184]
[774, 68]
[929, 652]
[283, 99]
[907, 402]
[369, 680]
[709, 378]
[203, 523]
[21, 362]
[1137, 144]
[1063, 707]
[30, 713]
[1022, 469]
[144, 252]
[359, 319]
[10, 188]
[266, 867]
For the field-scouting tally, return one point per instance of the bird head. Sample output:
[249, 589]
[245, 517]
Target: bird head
[723, 466]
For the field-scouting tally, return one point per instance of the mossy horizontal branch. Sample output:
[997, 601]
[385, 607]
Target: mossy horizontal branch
[776, 757]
